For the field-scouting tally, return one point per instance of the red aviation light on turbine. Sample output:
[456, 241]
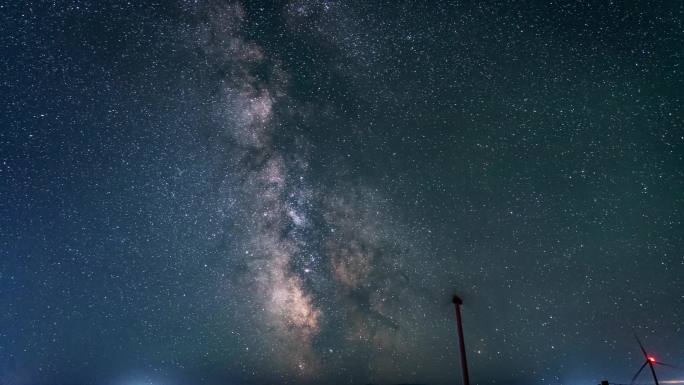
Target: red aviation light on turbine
[651, 359]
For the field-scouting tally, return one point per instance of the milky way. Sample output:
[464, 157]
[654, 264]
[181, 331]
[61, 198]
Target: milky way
[359, 262]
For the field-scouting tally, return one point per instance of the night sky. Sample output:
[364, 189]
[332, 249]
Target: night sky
[215, 192]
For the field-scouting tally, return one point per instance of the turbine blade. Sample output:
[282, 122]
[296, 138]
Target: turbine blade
[641, 346]
[668, 365]
[638, 373]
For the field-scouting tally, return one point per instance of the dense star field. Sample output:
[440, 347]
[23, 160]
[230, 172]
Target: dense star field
[221, 192]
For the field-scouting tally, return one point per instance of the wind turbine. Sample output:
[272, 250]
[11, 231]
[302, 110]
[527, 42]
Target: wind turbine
[650, 361]
[457, 301]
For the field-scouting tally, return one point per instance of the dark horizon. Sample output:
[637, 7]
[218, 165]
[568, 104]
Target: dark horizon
[222, 191]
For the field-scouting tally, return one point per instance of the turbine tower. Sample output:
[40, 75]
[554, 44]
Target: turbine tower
[459, 325]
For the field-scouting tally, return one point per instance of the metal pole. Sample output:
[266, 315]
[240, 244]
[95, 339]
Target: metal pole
[459, 325]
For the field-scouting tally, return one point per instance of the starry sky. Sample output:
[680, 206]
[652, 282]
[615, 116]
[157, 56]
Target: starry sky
[223, 192]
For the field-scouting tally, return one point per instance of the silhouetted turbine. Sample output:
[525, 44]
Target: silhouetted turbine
[650, 361]
[461, 344]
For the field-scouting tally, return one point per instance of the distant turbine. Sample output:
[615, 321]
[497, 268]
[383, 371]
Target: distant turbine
[459, 325]
[650, 361]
